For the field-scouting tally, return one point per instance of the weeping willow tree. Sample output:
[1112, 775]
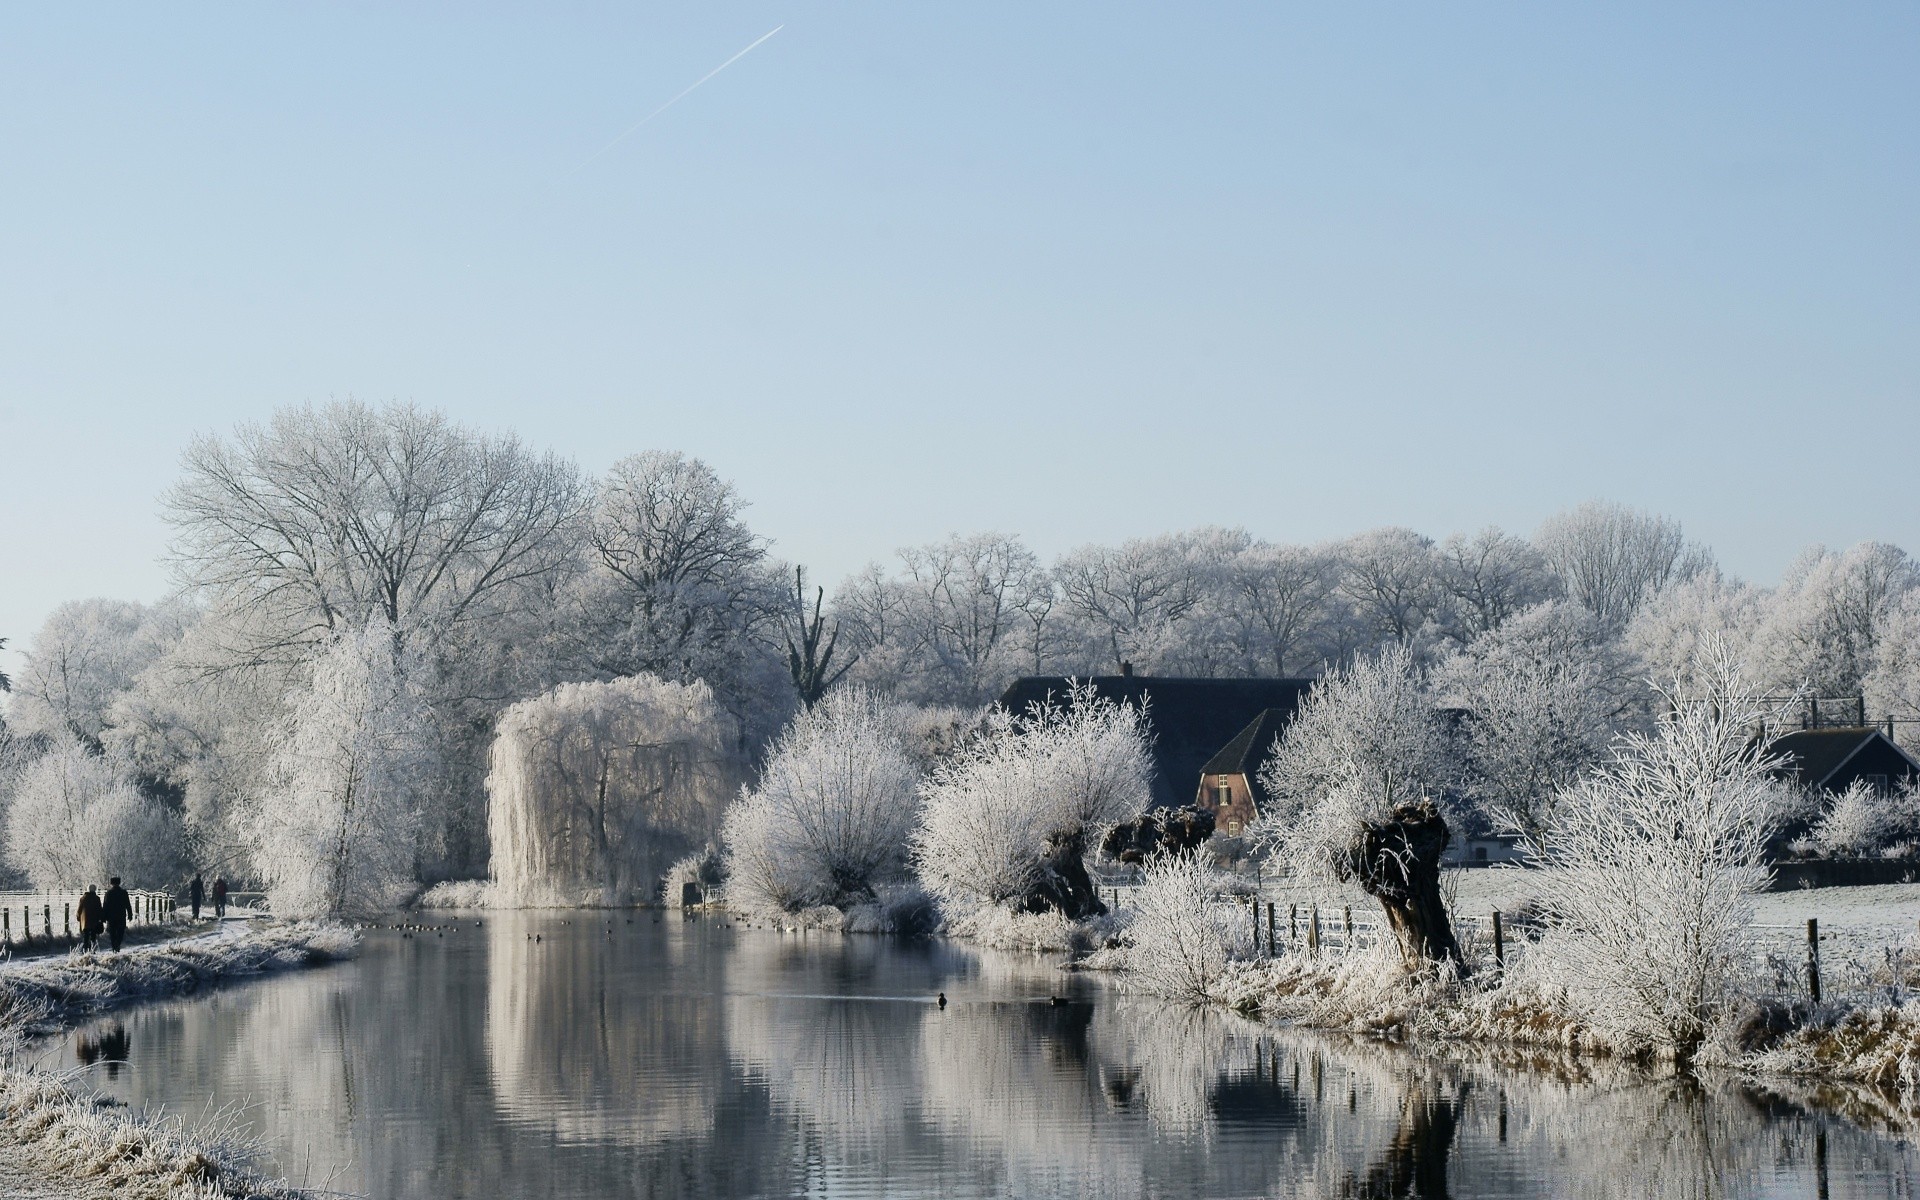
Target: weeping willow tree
[597, 788]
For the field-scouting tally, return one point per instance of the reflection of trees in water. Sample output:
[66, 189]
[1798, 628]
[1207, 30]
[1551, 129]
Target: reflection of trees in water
[690, 1061]
[576, 1048]
[1471, 1124]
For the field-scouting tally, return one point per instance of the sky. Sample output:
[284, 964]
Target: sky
[1079, 272]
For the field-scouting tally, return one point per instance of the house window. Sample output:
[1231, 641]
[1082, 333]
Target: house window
[1223, 795]
[1878, 783]
[1233, 828]
[1479, 854]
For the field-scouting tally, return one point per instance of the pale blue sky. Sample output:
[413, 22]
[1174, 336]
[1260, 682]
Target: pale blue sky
[1080, 272]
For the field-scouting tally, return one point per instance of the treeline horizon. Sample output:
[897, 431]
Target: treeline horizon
[501, 572]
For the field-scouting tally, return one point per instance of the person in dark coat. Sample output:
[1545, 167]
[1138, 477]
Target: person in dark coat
[90, 919]
[196, 895]
[220, 898]
[118, 910]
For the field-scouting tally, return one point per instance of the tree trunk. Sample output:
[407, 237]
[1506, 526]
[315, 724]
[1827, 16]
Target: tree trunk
[1062, 883]
[1397, 862]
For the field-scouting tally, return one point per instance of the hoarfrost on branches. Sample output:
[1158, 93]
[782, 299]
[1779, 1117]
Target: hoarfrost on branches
[1612, 559]
[828, 822]
[336, 827]
[1183, 936]
[1655, 859]
[1540, 698]
[1863, 821]
[1353, 781]
[77, 820]
[1011, 814]
[598, 788]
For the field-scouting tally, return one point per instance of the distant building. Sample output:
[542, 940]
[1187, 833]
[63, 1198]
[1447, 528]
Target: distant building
[1191, 718]
[1831, 760]
[1230, 786]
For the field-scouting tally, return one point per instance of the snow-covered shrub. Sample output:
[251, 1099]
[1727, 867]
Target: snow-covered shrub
[457, 893]
[336, 827]
[596, 789]
[1183, 935]
[77, 820]
[1858, 822]
[705, 869]
[1655, 860]
[1353, 782]
[830, 818]
[1011, 815]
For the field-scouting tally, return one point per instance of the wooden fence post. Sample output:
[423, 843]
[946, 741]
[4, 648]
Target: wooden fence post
[66, 917]
[1313, 931]
[1270, 938]
[1499, 943]
[1813, 958]
[6, 925]
[1349, 911]
[46, 920]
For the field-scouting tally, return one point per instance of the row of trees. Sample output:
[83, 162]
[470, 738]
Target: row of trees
[470, 573]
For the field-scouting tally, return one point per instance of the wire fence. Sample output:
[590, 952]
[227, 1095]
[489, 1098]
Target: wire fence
[1789, 963]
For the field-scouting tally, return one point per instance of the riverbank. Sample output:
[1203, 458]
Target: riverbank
[65, 1144]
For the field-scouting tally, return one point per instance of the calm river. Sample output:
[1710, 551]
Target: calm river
[688, 1057]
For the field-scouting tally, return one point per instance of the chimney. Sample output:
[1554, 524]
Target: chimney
[1126, 670]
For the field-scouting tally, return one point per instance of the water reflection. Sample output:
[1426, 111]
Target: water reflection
[106, 1045]
[694, 1058]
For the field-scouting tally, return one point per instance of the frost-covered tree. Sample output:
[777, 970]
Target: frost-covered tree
[1273, 607]
[326, 518]
[1011, 815]
[76, 819]
[1391, 577]
[1353, 784]
[1133, 604]
[336, 828]
[1612, 558]
[85, 656]
[961, 620]
[1655, 859]
[598, 788]
[678, 579]
[829, 820]
[1893, 686]
[1540, 698]
[1666, 633]
[1823, 627]
[1489, 577]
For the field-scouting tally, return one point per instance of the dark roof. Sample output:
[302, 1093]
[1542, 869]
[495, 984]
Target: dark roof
[1250, 747]
[1191, 718]
[1816, 756]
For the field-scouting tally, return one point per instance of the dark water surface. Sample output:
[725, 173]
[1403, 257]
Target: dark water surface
[687, 1058]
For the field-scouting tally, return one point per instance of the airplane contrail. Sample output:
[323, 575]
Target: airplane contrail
[631, 129]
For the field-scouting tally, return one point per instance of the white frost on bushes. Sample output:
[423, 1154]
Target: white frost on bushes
[1654, 862]
[77, 820]
[1861, 821]
[336, 827]
[829, 821]
[1183, 936]
[999, 804]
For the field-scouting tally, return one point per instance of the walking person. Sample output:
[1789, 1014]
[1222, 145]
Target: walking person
[90, 920]
[220, 898]
[197, 895]
[118, 910]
